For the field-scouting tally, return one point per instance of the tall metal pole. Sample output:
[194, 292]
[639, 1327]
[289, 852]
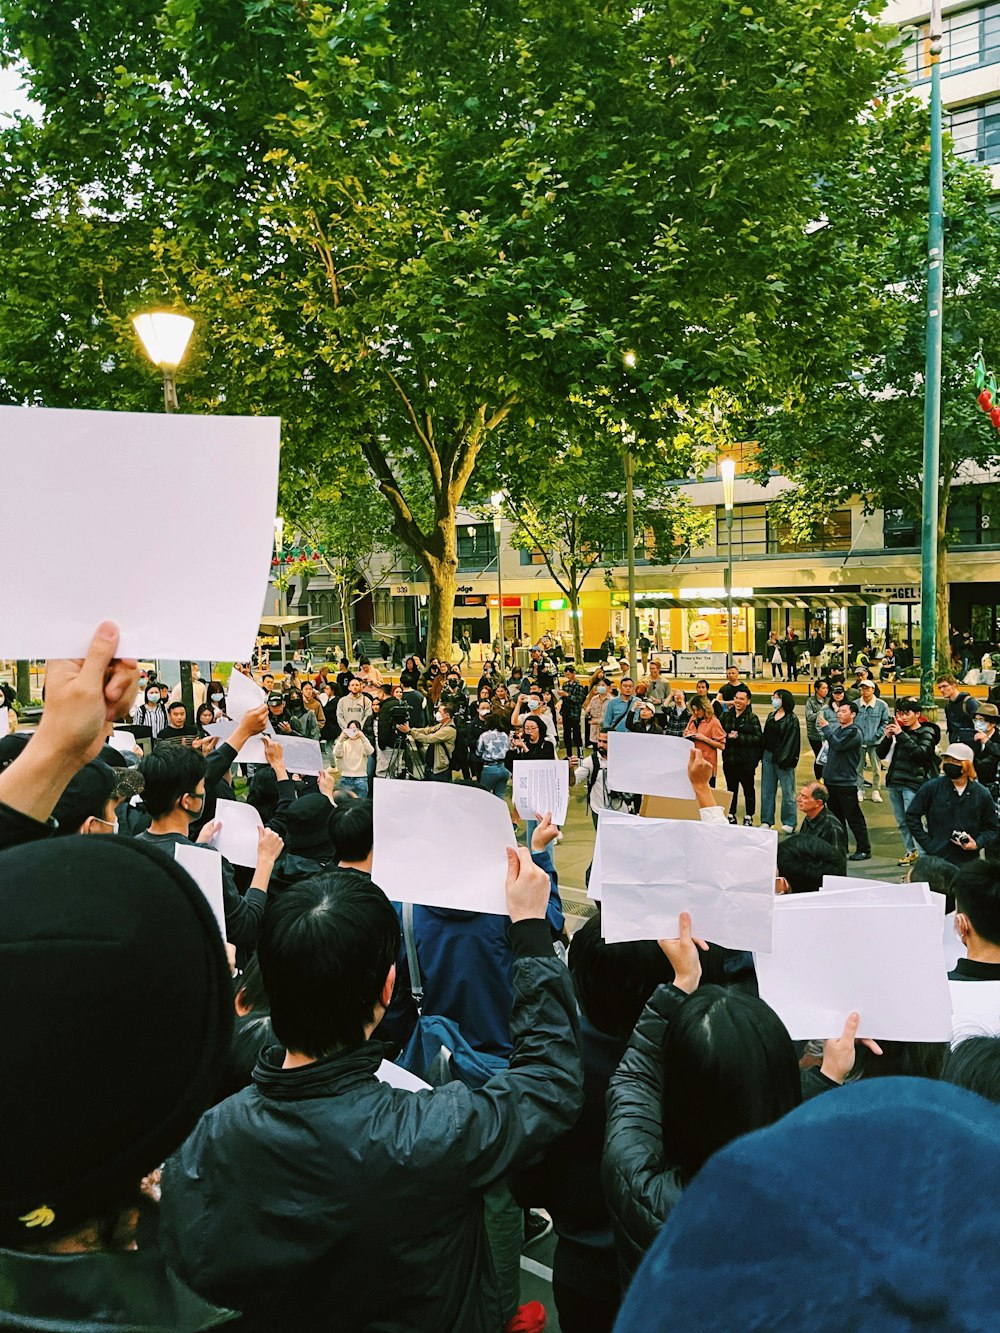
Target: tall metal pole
[170, 404]
[932, 377]
[729, 583]
[633, 631]
[497, 500]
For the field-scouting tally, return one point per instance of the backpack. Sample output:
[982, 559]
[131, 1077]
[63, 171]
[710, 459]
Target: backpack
[460, 750]
[437, 1052]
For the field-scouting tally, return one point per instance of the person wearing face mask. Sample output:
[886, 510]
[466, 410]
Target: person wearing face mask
[350, 754]
[151, 713]
[492, 745]
[676, 715]
[782, 742]
[954, 816]
[217, 699]
[454, 694]
[88, 804]
[593, 707]
[303, 721]
[986, 748]
[438, 742]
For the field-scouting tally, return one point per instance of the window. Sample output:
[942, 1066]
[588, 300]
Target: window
[754, 534]
[476, 546]
[899, 530]
[969, 38]
[976, 132]
[744, 454]
[973, 519]
[533, 557]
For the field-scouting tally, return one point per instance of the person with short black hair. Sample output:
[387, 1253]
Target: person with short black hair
[939, 876]
[803, 860]
[380, 1180]
[174, 795]
[959, 710]
[353, 830]
[977, 899]
[975, 1064]
[840, 776]
[743, 752]
[909, 745]
[782, 743]
[177, 728]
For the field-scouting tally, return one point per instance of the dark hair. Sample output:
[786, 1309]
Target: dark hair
[729, 1067]
[205, 708]
[907, 705]
[904, 1059]
[803, 860]
[787, 701]
[351, 830]
[742, 689]
[170, 772]
[631, 680]
[177, 703]
[975, 1064]
[268, 675]
[541, 729]
[822, 681]
[614, 981]
[977, 894]
[939, 876]
[363, 661]
[326, 946]
[849, 703]
[702, 682]
[216, 687]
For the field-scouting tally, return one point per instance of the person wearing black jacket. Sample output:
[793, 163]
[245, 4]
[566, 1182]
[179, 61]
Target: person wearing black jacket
[911, 744]
[960, 814]
[781, 743]
[295, 1198]
[840, 776]
[986, 747]
[744, 748]
[959, 710]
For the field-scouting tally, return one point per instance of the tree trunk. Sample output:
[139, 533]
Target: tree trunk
[574, 611]
[344, 619]
[23, 685]
[442, 578]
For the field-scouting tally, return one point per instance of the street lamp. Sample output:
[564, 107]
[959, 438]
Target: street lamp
[628, 439]
[496, 500]
[164, 337]
[727, 471]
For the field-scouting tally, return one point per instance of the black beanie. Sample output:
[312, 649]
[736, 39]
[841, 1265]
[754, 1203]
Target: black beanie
[117, 1008]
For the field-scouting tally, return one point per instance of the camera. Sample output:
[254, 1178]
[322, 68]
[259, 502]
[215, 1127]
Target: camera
[961, 837]
[399, 715]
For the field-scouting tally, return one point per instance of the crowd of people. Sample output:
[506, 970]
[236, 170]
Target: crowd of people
[344, 1113]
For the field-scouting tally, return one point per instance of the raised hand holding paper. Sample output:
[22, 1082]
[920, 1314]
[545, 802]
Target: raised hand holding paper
[540, 785]
[243, 695]
[123, 741]
[91, 451]
[441, 846]
[654, 869]
[237, 838]
[651, 765]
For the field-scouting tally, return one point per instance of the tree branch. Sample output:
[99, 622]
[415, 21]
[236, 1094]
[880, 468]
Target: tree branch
[425, 439]
[403, 522]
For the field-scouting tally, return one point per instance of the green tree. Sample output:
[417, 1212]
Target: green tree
[859, 432]
[407, 229]
[349, 527]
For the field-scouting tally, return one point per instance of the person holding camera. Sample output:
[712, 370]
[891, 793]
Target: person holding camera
[954, 816]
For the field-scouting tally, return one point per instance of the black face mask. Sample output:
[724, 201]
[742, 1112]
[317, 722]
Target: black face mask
[951, 770]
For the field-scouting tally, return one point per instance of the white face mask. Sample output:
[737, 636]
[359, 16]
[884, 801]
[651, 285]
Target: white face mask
[534, 703]
[217, 698]
[439, 717]
[775, 704]
[602, 689]
[352, 730]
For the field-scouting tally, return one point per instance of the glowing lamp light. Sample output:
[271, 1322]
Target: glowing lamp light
[164, 336]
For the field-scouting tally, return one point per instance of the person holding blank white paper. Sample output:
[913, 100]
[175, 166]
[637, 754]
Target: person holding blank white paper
[174, 795]
[977, 898]
[703, 1067]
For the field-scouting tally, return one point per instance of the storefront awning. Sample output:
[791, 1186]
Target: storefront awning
[771, 601]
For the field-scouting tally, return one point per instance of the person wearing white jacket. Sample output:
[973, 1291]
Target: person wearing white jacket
[350, 754]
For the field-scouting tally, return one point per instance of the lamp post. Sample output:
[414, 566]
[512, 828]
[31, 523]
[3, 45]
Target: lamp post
[932, 376]
[628, 439]
[164, 337]
[496, 499]
[727, 470]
